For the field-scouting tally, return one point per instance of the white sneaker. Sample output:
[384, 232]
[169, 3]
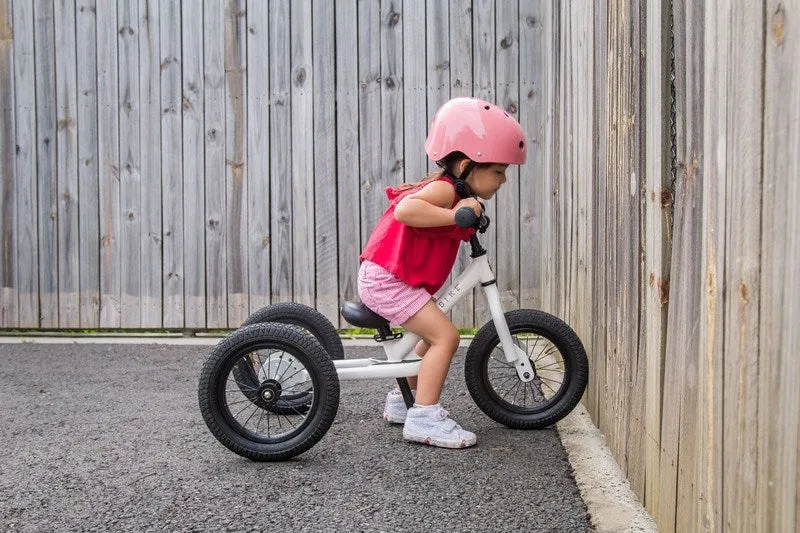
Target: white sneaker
[432, 425]
[395, 410]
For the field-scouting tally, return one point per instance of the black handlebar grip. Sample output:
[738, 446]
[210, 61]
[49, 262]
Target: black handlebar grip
[466, 217]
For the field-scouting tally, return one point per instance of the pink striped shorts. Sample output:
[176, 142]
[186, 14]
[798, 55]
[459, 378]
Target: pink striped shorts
[383, 293]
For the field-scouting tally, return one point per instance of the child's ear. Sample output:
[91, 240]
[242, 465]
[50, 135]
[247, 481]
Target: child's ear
[462, 166]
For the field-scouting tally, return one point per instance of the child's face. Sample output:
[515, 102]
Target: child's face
[485, 180]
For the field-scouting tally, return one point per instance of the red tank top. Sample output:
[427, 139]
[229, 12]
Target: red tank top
[421, 257]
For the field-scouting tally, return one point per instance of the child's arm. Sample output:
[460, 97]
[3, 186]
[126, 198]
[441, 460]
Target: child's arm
[430, 206]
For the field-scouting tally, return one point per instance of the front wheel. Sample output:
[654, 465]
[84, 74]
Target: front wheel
[561, 371]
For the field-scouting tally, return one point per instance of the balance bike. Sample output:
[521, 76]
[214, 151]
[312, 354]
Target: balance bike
[270, 390]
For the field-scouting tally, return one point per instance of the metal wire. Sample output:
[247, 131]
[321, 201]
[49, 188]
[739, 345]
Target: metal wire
[673, 123]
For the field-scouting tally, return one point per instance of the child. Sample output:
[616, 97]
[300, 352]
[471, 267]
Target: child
[414, 246]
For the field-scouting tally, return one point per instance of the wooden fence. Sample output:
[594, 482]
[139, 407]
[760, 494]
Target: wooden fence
[672, 247]
[177, 165]
[180, 164]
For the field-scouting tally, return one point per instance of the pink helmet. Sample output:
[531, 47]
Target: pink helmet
[480, 130]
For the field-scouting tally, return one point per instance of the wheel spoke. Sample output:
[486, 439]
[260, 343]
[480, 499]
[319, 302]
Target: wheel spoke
[501, 362]
[512, 388]
[280, 361]
[525, 394]
[549, 365]
[280, 379]
[251, 416]
[245, 401]
[550, 380]
[242, 409]
[553, 349]
[549, 387]
[506, 380]
[293, 375]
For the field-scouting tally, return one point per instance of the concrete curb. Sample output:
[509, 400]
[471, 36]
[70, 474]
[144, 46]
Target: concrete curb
[613, 508]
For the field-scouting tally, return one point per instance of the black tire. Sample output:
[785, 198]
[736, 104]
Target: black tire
[554, 349]
[304, 317]
[228, 412]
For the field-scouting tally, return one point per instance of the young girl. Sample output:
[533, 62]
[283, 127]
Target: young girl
[414, 246]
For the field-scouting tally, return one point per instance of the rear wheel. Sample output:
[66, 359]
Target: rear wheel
[304, 317]
[279, 360]
[559, 362]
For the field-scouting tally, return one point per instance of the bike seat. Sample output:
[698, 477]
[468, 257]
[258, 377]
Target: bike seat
[362, 316]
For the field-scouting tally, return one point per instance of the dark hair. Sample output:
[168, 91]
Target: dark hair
[447, 165]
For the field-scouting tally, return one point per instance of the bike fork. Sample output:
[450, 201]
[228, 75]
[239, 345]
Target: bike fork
[514, 354]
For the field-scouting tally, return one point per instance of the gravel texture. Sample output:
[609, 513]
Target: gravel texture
[110, 438]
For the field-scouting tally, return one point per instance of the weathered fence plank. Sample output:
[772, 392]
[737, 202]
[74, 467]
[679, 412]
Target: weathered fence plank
[46, 164]
[280, 152]
[595, 397]
[130, 195]
[108, 166]
[372, 194]
[302, 173]
[193, 166]
[391, 99]
[216, 221]
[347, 149]
[324, 140]
[9, 300]
[88, 185]
[778, 464]
[150, 236]
[258, 148]
[582, 113]
[507, 203]
[484, 81]
[67, 166]
[461, 48]
[415, 118]
[711, 366]
[637, 281]
[25, 166]
[236, 159]
[742, 237]
[550, 90]
[459, 69]
[680, 365]
[655, 238]
[531, 115]
[172, 163]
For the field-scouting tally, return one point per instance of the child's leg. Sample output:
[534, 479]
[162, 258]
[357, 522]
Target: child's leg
[435, 328]
[421, 349]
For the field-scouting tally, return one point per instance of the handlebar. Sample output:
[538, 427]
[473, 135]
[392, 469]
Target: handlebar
[466, 218]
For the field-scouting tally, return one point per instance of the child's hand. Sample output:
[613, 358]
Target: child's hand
[470, 202]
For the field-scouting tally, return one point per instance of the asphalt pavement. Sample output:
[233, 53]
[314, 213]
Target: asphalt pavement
[109, 437]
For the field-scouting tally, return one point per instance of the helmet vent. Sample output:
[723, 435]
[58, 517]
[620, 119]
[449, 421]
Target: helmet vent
[521, 145]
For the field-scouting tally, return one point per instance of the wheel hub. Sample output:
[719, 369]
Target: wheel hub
[269, 391]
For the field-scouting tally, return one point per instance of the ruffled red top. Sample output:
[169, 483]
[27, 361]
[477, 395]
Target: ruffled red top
[421, 257]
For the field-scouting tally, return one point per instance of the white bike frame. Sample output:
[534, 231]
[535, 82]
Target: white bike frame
[401, 360]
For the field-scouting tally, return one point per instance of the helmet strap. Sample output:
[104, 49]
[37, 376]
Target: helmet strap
[460, 182]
